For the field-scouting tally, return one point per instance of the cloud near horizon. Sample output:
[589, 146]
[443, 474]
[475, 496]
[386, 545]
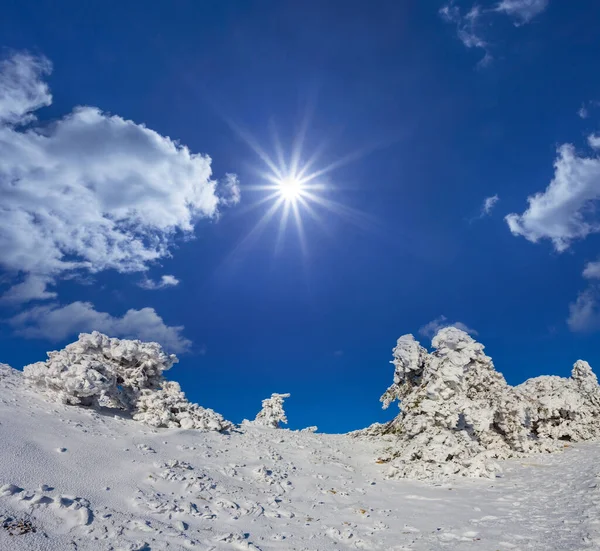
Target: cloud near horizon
[56, 323]
[430, 329]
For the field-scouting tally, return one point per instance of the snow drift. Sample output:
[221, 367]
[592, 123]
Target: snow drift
[458, 414]
[98, 371]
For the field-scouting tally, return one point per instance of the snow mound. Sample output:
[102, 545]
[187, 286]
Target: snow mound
[99, 371]
[272, 414]
[458, 414]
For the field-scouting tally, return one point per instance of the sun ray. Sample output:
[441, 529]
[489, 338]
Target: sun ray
[300, 228]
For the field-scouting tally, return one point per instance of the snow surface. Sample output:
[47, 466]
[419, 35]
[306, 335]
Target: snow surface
[88, 479]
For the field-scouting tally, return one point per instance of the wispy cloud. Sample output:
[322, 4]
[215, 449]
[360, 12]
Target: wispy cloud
[467, 28]
[584, 313]
[488, 205]
[91, 191]
[430, 329]
[563, 212]
[470, 27]
[165, 281]
[55, 323]
[522, 10]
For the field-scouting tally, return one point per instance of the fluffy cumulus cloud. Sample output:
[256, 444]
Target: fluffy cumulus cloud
[56, 323]
[522, 10]
[565, 211]
[165, 281]
[91, 191]
[430, 329]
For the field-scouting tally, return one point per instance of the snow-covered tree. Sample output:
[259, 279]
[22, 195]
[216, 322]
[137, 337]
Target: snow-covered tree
[272, 414]
[458, 415]
[99, 371]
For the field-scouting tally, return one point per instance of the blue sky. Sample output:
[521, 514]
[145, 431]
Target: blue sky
[417, 111]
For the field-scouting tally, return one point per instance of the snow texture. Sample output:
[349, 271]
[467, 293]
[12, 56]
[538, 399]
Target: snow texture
[459, 416]
[99, 371]
[74, 478]
[272, 414]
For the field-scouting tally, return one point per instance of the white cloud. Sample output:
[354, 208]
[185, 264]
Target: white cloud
[91, 191]
[165, 281]
[592, 270]
[524, 10]
[584, 313]
[33, 287]
[594, 141]
[583, 112]
[488, 204]
[565, 211]
[430, 329]
[467, 28]
[21, 89]
[56, 323]
[229, 192]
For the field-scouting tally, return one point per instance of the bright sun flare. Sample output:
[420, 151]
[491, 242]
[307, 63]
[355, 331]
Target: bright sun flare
[290, 188]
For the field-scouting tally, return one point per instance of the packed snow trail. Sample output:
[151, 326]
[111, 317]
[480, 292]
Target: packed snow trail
[85, 480]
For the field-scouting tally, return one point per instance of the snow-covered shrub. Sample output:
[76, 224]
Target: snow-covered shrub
[272, 414]
[99, 371]
[168, 407]
[565, 409]
[458, 414]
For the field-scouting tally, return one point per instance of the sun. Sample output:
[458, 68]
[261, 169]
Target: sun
[290, 188]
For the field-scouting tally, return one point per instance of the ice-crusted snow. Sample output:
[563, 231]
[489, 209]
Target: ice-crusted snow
[74, 478]
[459, 416]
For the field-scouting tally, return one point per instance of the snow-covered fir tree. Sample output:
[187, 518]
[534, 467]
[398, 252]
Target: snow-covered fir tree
[272, 414]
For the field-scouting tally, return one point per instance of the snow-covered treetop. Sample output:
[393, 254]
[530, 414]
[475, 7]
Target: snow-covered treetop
[272, 414]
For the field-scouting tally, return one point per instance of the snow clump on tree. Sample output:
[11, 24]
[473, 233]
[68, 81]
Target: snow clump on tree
[99, 371]
[458, 414]
[168, 407]
[272, 414]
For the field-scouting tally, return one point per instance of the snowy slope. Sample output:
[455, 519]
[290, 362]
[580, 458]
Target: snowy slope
[85, 480]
